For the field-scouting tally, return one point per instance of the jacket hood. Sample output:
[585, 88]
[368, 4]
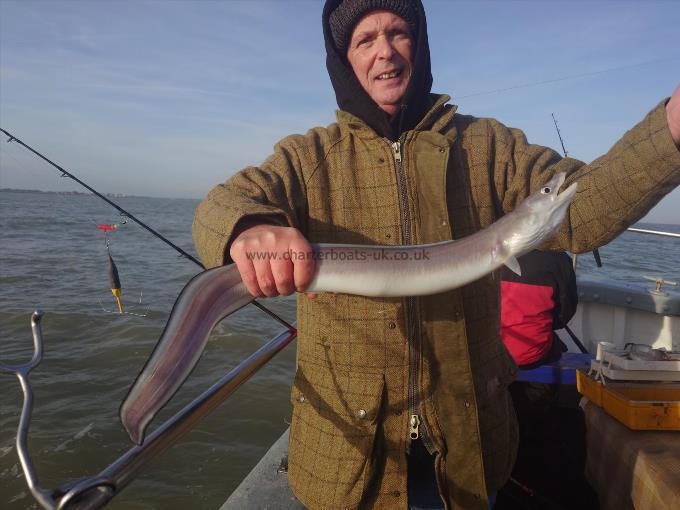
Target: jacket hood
[351, 96]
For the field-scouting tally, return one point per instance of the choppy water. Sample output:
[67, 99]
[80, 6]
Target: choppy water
[53, 257]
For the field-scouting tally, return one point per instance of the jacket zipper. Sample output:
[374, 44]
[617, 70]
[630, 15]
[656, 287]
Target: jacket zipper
[416, 424]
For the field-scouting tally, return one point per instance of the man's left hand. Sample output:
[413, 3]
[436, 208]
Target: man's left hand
[673, 115]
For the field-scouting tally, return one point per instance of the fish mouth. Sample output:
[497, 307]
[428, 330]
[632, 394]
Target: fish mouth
[558, 179]
[552, 189]
[561, 203]
[568, 193]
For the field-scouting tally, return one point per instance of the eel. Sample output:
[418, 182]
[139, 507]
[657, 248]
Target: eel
[365, 270]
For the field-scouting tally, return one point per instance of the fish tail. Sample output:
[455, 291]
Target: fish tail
[205, 300]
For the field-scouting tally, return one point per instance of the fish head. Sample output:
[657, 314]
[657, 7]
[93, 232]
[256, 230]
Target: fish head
[540, 215]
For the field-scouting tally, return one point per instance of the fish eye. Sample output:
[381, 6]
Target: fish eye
[546, 190]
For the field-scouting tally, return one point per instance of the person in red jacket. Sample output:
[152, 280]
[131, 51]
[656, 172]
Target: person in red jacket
[548, 472]
[536, 303]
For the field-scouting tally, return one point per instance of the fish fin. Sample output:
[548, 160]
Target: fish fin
[514, 266]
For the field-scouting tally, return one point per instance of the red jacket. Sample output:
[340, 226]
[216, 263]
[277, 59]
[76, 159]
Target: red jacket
[542, 299]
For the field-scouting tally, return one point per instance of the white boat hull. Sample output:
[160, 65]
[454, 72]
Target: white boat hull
[619, 314]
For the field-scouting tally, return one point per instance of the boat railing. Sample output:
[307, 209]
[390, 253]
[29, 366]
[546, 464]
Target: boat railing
[653, 232]
[96, 491]
[596, 252]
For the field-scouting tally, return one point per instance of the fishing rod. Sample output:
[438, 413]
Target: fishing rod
[596, 252]
[126, 214]
[93, 492]
[123, 212]
[559, 134]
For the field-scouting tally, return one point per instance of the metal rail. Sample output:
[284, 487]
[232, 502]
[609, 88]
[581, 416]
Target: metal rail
[654, 232]
[96, 491]
[21, 371]
[596, 253]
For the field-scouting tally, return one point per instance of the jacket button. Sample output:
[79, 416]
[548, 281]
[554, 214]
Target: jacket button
[443, 223]
[362, 413]
[467, 404]
[442, 149]
[391, 325]
[301, 398]
[396, 494]
[388, 236]
[381, 160]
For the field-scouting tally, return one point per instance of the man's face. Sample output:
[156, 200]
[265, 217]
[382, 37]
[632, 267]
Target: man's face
[381, 55]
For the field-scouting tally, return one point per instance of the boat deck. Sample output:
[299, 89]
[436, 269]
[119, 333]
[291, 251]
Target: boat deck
[266, 486]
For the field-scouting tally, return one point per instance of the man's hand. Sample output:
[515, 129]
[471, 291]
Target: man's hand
[673, 115]
[273, 260]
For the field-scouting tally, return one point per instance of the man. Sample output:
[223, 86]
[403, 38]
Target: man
[379, 378]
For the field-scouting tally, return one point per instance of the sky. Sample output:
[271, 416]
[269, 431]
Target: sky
[168, 98]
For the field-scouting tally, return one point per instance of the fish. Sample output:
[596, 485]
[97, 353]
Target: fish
[365, 270]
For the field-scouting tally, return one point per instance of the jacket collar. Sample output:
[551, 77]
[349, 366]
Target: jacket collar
[436, 119]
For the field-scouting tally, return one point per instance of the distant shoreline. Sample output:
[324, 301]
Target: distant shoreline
[123, 195]
[82, 193]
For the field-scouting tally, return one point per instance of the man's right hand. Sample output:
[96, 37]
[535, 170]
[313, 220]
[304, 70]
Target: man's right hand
[273, 260]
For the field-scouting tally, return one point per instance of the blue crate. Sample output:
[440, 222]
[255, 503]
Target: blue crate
[562, 371]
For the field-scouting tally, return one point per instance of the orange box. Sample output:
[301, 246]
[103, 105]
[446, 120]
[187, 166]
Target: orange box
[589, 387]
[652, 408]
[637, 406]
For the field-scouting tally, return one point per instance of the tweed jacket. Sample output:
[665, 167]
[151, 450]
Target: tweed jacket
[363, 364]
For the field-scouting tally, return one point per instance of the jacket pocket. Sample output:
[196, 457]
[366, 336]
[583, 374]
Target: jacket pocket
[332, 436]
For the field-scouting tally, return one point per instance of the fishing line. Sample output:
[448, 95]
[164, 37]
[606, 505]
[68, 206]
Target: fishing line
[568, 77]
[130, 216]
[107, 229]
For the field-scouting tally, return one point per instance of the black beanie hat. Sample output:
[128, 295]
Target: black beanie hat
[343, 19]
